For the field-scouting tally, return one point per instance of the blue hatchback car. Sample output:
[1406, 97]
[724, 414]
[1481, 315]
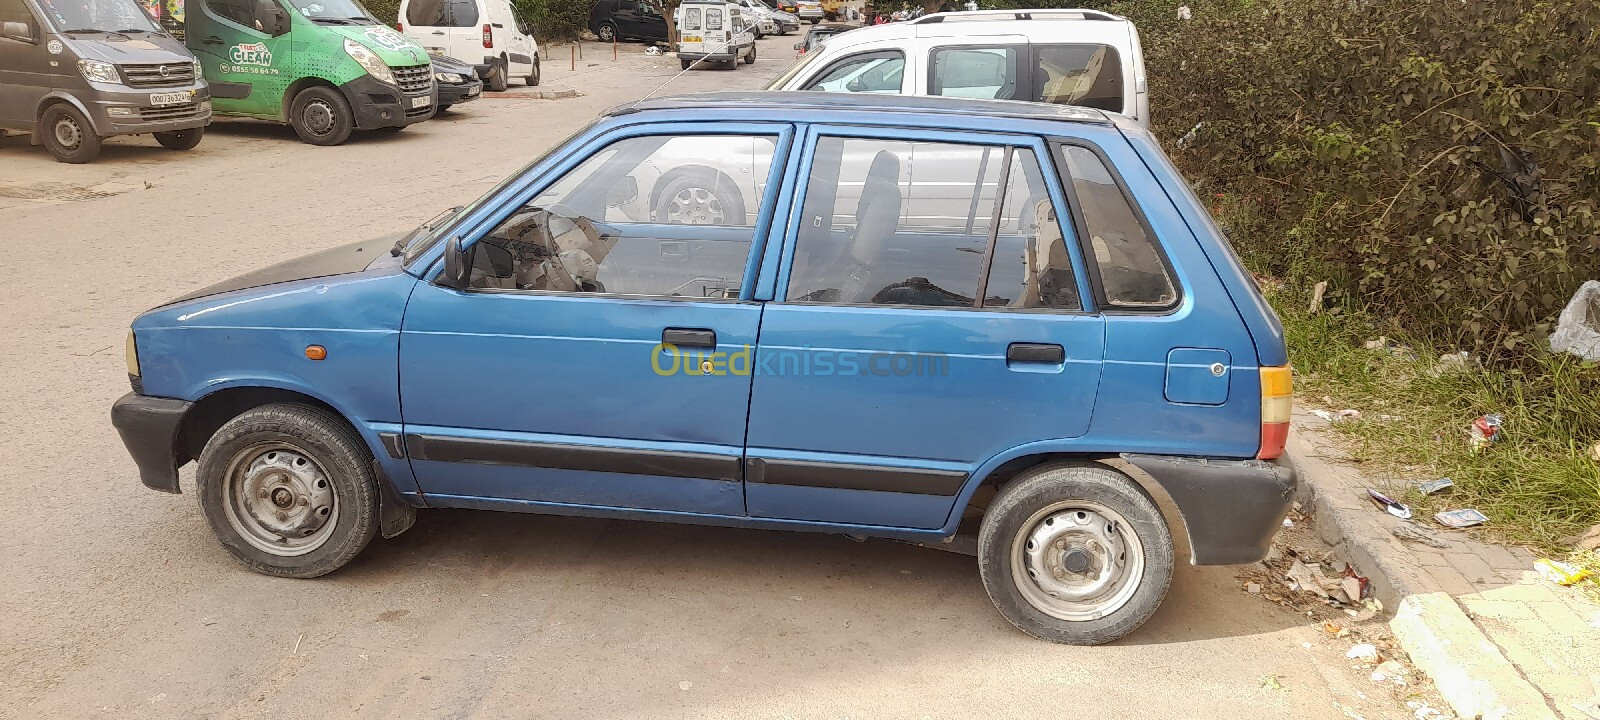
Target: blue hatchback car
[1007, 328]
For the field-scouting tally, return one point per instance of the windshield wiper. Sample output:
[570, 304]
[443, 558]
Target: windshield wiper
[359, 18]
[334, 20]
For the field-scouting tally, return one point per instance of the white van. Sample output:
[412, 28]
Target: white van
[1070, 57]
[487, 34]
[714, 31]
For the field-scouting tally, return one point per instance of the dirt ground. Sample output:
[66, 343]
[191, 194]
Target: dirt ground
[116, 601]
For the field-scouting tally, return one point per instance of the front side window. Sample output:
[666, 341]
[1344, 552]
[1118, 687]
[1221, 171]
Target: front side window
[878, 73]
[1133, 272]
[892, 222]
[240, 12]
[666, 216]
[1085, 75]
[988, 73]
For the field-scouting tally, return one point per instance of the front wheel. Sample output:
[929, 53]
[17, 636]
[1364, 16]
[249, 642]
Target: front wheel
[815, 20]
[607, 33]
[321, 116]
[289, 490]
[68, 135]
[1075, 554]
[181, 139]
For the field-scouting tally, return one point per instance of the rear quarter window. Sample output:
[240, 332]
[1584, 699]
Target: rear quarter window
[1132, 271]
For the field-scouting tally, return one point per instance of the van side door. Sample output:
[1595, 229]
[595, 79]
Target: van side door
[246, 60]
[25, 67]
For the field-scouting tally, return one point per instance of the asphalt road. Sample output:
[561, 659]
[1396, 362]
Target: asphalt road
[116, 601]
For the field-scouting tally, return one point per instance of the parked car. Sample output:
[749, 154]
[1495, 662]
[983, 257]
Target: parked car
[488, 32]
[787, 6]
[714, 32]
[816, 35]
[627, 20]
[772, 21]
[1072, 57]
[1071, 368]
[458, 82]
[809, 10]
[73, 74]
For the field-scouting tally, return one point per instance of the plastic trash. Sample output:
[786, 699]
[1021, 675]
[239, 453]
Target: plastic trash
[1337, 416]
[1486, 431]
[1363, 652]
[1561, 573]
[1578, 329]
[1434, 487]
[1390, 505]
[1461, 518]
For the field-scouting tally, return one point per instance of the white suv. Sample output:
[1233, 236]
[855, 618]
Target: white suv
[1070, 57]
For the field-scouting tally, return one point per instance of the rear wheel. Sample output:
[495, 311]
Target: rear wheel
[68, 135]
[321, 116]
[289, 490]
[180, 139]
[1075, 554]
[497, 81]
[751, 58]
[533, 77]
[441, 109]
[607, 32]
[685, 63]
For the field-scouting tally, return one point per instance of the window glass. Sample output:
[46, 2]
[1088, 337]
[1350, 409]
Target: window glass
[606, 226]
[878, 73]
[1086, 75]
[242, 12]
[1130, 264]
[1031, 266]
[15, 11]
[691, 19]
[894, 222]
[985, 73]
[713, 19]
[442, 13]
[108, 15]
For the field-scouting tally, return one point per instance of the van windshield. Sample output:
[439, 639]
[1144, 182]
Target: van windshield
[97, 16]
[334, 12]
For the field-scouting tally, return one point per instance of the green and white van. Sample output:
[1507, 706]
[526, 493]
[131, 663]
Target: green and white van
[325, 67]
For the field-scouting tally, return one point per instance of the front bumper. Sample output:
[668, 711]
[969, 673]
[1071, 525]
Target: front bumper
[378, 105]
[457, 94]
[128, 111]
[1232, 508]
[149, 429]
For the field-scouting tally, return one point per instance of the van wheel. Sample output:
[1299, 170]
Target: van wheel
[68, 135]
[1075, 554]
[321, 116]
[699, 198]
[289, 490]
[533, 78]
[607, 32]
[498, 80]
[751, 58]
[685, 63]
[181, 139]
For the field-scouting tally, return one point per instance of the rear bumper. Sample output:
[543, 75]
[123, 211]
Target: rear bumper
[149, 429]
[1232, 508]
[709, 57]
[457, 94]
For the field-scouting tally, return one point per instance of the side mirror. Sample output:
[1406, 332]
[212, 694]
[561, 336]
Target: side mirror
[18, 31]
[457, 266]
[271, 18]
[799, 46]
[623, 192]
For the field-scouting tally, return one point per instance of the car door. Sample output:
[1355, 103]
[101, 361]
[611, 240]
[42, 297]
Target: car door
[882, 382]
[25, 72]
[597, 359]
[245, 58]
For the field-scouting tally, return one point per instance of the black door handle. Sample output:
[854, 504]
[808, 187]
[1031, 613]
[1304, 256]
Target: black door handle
[1035, 353]
[213, 40]
[689, 337]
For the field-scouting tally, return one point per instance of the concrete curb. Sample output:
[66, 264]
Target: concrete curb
[534, 94]
[1471, 673]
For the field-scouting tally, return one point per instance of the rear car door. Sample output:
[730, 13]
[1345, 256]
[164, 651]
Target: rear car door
[882, 380]
[600, 355]
[446, 27]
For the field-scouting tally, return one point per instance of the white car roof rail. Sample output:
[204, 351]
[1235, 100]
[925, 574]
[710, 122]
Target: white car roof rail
[1073, 13]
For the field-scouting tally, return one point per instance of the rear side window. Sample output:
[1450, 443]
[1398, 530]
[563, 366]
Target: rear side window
[1084, 75]
[691, 19]
[442, 13]
[713, 19]
[1132, 271]
[986, 73]
[1031, 268]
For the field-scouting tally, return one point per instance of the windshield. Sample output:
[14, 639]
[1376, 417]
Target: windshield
[97, 16]
[336, 12]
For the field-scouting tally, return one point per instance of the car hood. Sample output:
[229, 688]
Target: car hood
[397, 50]
[137, 48]
[445, 63]
[353, 257]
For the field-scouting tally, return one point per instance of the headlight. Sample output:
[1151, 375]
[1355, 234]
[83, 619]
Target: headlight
[369, 60]
[198, 73]
[131, 353]
[449, 77]
[97, 71]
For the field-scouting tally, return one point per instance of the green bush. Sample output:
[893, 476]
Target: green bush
[1438, 161]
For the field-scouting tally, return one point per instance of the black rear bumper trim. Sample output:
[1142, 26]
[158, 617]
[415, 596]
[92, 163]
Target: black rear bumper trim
[1232, 508]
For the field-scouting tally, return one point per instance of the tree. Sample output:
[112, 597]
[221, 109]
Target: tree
[668, 10]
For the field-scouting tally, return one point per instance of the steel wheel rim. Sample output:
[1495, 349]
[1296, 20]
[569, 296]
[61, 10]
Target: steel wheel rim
[279, 500]
[68, 134]
[318, 117]
[1077, 560]
[695, 206]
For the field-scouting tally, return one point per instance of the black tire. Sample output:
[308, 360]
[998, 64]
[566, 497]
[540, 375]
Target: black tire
[498, 80]
[533, 77]
[181, 139]
[440, 109]
[1063, 496]
[751, 58]
[606, 32]
[757, 32]
[68, 135]
[321, 116]
[685, 63]
[277, 438]
[724, 206]
[815, 20]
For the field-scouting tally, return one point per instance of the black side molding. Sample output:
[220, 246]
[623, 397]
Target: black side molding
[847, 476]
[632, 461]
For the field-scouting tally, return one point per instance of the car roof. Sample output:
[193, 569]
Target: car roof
[865, 103]
[987, 22]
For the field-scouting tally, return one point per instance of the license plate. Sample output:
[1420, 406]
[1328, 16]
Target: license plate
[421, 102]
[177, 98]
[691, 38]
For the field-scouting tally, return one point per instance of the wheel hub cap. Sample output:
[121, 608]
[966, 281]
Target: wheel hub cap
[319, 118]
[695, 206]
[68, 134]
[1077, 560]
[280, 501]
